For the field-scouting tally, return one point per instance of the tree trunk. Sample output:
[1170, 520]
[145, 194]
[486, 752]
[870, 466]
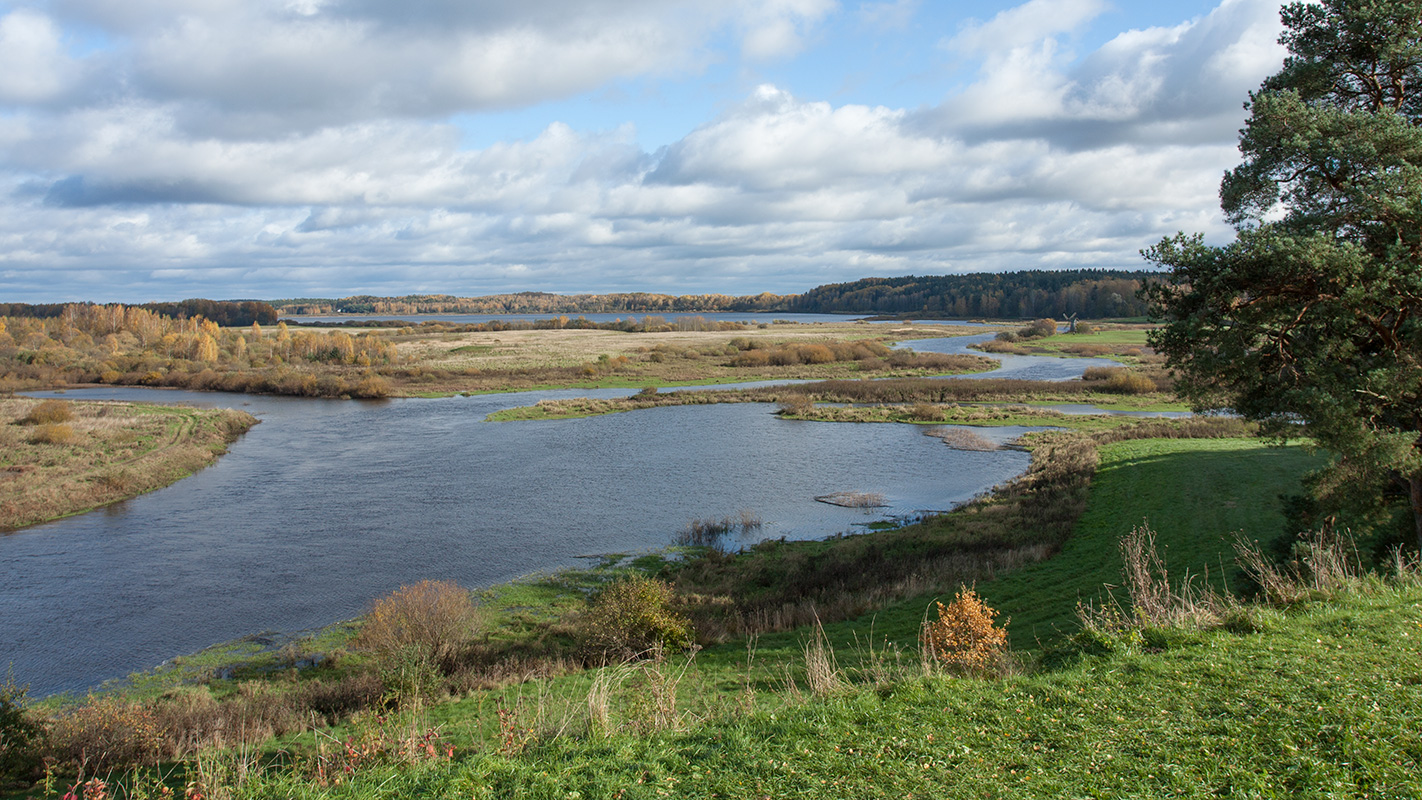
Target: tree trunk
[1415, 484]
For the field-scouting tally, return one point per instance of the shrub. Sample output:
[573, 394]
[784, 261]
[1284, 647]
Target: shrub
[1038, 329]
[19, 736]
[49, 412]
[53, 434]
[106, 732]
[925, 412]
[371, 386]
[1126, 382]
[797, 405]
[436, 619]
[1099, 373]
[631, 618]
[964, 638]
[815, 354]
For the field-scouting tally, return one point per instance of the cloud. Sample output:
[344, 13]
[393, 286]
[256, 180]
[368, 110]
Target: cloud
[34, 67]
[267, 68]
[1024, 26]
[1163, 85]
[773, 29]
[301, 147]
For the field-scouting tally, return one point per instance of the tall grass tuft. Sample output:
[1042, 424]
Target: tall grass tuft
[822, 673]
[1324, 563]
[709, 532]
[1153, 601]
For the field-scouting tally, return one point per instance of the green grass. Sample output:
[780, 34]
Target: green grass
[1321, 704]
[1195, 493]
[1320, 701]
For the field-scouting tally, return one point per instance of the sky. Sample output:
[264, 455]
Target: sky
[165, 149]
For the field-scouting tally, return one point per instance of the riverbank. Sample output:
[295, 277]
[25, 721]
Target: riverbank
[60, 457]
[986, 400]
[1318, 690]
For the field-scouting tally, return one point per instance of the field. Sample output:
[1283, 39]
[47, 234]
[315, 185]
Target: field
[1121, 342]
[59, 457]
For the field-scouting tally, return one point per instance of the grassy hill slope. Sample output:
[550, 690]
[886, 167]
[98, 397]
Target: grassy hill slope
[1320, 700]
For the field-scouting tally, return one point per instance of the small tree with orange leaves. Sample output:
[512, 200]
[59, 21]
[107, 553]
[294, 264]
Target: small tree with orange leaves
[964, 638]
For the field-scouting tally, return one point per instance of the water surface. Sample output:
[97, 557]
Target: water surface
[328, 504]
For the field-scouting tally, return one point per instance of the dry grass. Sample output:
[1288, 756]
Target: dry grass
[854, 499]
[962, 439]
[103, 453]
[1154, 602]
[708, 532]
[514, 350]
[1324, 563]
[517, 359]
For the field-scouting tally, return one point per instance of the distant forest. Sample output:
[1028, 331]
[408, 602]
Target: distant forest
[997, 295]
[534, 303]
[227, 313]
[1092, 294]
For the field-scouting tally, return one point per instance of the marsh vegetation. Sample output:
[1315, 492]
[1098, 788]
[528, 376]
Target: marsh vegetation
[59, 457]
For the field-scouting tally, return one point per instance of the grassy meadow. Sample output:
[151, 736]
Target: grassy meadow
[61, 457]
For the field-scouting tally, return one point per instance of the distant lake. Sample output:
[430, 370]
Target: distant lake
[748, 317]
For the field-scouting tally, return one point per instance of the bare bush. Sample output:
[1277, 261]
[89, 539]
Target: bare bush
[436, 619]
[104, 733]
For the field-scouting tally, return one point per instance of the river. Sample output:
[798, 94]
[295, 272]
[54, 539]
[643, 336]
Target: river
[328, 504]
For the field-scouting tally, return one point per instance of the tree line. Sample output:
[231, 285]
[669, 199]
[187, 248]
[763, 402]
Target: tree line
[1026, 295]
[1032, 294]
[227, 313]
